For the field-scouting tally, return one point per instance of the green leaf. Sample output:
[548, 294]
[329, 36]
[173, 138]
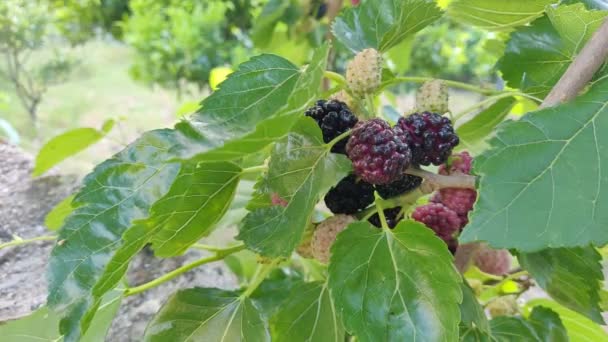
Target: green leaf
[274, 290]
[571, 276]
[256, 91]
[42, 324]
[398, 285]
[117, 192]
[301, 169]
[536, 56]
[382, 24]
[66, 145]
[543, 325]
[476, 131]
[497, 15]
[263, 27]
[201, 314]
[243, 264]
[472, 317]
[307, 315]
[285, 111]
[104, 317]
[579, 328]
[198, 198]
[543, 176]
[55, 218]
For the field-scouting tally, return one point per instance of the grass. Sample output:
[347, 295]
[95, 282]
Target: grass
[99, 88]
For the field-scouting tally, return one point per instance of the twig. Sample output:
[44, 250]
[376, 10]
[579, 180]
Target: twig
[435, 181]
[19, 242]
[219, 255]
[580, 72]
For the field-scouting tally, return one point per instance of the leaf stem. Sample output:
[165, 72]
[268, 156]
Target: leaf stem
[219, 255]
[453, 84]
[255, 169]
[19, 241]
[380, 208]
[334, 76]
[260, 274]
[371, 106]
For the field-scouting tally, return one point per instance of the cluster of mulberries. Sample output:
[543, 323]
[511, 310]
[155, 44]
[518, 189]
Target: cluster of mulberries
[381, 153]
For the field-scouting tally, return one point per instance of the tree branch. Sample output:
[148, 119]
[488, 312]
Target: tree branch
[582, 69]
[434, 182]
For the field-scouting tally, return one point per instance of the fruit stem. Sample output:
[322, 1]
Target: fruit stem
[19, 241]
[436, 182]
[255, 169]
[371, 107]
[337, 139]
[334, 76]
[453, 84]
[219, 255]
[258, 277]
[403, 201]
[380, 209]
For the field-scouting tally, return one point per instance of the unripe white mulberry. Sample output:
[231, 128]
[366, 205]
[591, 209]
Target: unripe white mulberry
[432, 97]
[364, 72]
[325, 235]
[503, 306]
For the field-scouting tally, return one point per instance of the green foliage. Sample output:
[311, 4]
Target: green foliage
[453, 51]
[118, 191]
[572, 276]
[309, 315]
[539, 180]
[68, 144]
[548, 46]
[177, 41]
[41, 325]
[542, 325]
[497, 15]
[396, 285]
[301, 169]
[78, 20]
[207, 314]
[56, 217]
[383, 24]
[474, 133]
[548, 145]
[580, 328]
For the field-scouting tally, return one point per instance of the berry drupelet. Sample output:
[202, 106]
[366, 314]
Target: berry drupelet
[349, 196]
[402, 185]
[442, 220]
[430, 136]
[334, 118]
[379, 153]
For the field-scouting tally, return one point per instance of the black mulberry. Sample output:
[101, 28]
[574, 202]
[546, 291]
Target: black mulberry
[430, 136]
[379, 153]
[399, 187]
[334, 117]
[349, 196]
